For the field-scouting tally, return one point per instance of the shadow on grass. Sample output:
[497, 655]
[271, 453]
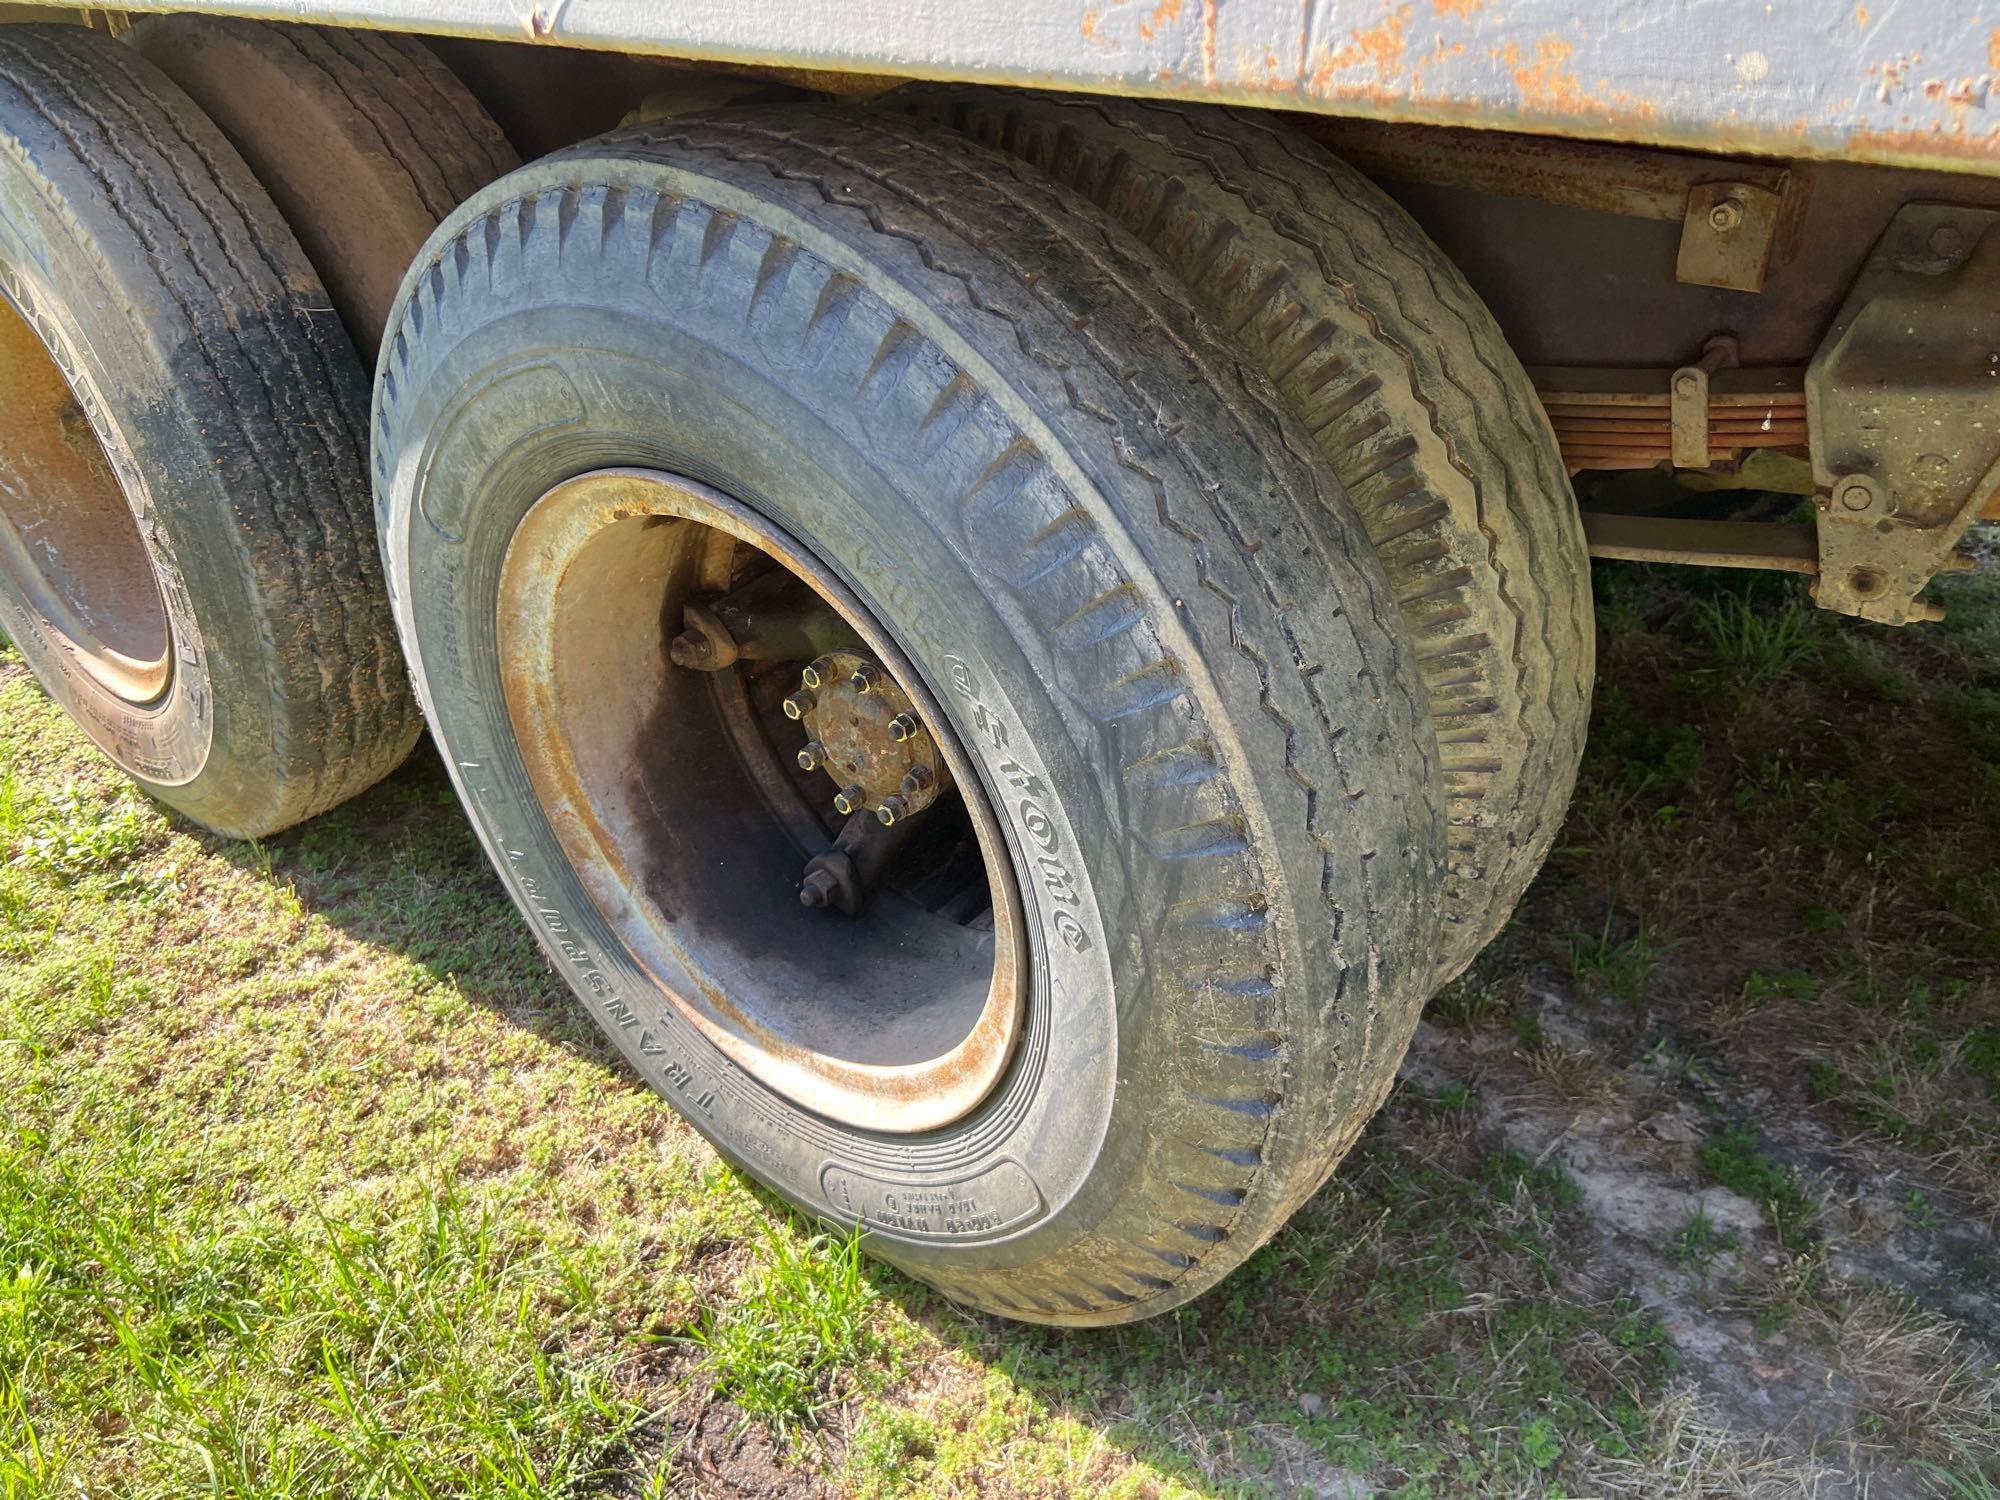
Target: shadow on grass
[1793, 812]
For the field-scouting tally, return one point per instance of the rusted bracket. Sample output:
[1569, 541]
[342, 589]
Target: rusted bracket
[1903, 404]
[1738, 219]
[1728, 234]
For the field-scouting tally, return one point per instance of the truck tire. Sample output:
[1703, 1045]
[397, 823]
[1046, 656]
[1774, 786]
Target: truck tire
[364, 140]
[1414, 399]
[186, 560]
[1096, 553]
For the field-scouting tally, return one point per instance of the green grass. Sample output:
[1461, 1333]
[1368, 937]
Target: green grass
[315, 1184]
[800, 1319]
[313, 1181]
[1700, 1242]
[1613, 966]
[1751, 643]
[1733, 1156]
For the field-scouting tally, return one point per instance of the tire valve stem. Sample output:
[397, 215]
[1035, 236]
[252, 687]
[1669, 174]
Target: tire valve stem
[903, 727]
[811, 756]
[798, 705]
[849, 800]
[891, 809]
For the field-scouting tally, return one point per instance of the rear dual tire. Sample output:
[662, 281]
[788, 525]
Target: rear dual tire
[1159, 632]
[185, 552]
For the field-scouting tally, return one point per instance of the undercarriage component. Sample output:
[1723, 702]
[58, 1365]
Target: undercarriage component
[1624, 419]
[845, 876]
[868, 736]
[773, 617]
[1738, 219]
[1710, 544]
[1903, 403]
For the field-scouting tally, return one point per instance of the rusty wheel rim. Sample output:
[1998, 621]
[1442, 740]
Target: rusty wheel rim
[680, 801]
[70, 546]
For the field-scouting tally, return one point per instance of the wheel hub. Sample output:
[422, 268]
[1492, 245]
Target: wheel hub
[685, 680]
[867, 735]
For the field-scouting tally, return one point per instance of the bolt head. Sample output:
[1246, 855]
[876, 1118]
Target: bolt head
[916, 779]
[811, 677]
[809, 757]
[862, 679]
[891, 809]
[903, 727]
[1687, 383]
[690, 649]
[848, 800]
[1947, 240]
[798, 705]
[1726, 215]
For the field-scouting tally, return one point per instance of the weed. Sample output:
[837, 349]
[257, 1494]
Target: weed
[1616, 966]
[1731, 1156]
[1761, 989]
[1472, 1000]
[76, 832]
[801, 1318]
[1700, 1242]
[1754, 645]
[1918, 1212]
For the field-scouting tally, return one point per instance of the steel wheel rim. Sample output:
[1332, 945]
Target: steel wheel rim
[902, 1027]
[70, 546]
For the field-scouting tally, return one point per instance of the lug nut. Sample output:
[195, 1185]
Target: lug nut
[849, 799]
[811, 676]
[1726, 215]
[891, 809]
[817, 889]
[811, 756]
[863, 678]
[799, 705]
[903, 727]
[916, 779]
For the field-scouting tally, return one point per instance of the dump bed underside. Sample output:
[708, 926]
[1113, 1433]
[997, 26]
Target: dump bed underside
[1903, 83]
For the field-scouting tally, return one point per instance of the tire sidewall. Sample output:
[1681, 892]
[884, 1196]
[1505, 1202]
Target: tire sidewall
[1021, 1176]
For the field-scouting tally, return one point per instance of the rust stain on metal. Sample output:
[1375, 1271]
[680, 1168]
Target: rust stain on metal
[1208, 17]
[1924, 147]
[1463, 9]
[547, 573]
[1546, 84]
[1166, 13]
[1379, 48]
[1993, 48]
